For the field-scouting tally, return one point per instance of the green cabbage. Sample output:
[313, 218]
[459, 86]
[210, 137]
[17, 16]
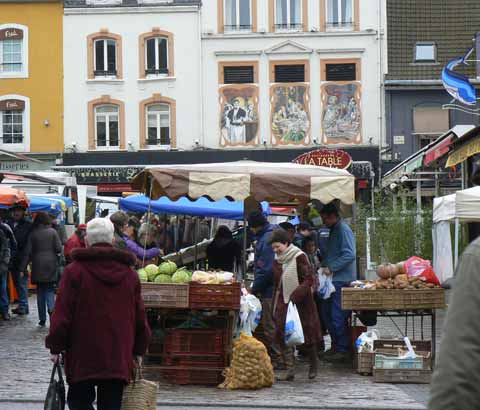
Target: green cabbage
[142, 275]
[167, 268]
[163, 279]
[181, 276]
[152, 272]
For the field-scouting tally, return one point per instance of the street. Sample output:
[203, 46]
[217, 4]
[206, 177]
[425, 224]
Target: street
[25, 371]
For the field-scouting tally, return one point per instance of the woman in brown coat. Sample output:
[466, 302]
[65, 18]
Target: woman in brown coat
[294, 282]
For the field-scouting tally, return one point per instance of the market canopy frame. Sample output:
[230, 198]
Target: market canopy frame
[263, 181]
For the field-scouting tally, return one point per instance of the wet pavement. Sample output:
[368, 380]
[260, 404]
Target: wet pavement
[25, 371]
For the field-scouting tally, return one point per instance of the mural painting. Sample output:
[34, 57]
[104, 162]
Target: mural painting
[341, 117]
[238, 115]
[290, 114]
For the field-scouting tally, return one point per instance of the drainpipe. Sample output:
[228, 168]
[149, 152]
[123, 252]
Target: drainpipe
[202, 90]
[380, 36]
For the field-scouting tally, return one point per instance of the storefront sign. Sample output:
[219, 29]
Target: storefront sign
[11, 34]
[102, 175]
[399, 139]
[464, 152]
[114, 187]
[12, 105]
[325, 158]
[25, 165]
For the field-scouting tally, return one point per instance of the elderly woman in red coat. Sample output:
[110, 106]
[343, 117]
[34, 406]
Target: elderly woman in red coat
[294, 282]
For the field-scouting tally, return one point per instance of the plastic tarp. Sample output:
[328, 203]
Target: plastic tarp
[223, 209]
[444, 208]
[442, 251]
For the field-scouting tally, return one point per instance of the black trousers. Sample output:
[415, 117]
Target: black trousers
[109, 395]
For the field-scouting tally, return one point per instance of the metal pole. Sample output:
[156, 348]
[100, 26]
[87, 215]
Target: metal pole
[394, 202]
[462, 167]
[418, 238]
[372, 175]
[367, 243]
[437, 185]
[457, 226]
[245, 233]
[195, 239]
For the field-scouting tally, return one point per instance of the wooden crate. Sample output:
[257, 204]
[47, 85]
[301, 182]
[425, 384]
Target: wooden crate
[402, 376]
[365, 362]
[165, 295]
[393, 299]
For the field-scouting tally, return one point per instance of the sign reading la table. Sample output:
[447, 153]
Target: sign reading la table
[331, 158]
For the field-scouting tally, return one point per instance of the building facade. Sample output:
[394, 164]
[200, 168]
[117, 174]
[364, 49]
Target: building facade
[31, 84]
[422, 37]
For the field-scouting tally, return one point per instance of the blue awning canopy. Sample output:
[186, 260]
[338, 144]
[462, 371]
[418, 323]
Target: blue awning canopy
[223, 209]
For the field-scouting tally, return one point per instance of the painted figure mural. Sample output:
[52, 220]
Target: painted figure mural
[341, 118]
[290, 114]
[238, 115]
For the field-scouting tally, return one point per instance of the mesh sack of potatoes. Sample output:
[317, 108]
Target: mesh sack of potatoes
[251, 367]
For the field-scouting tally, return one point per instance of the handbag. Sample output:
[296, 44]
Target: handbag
[55, 399]
[140, 394]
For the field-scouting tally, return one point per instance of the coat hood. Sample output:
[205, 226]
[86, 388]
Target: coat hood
[106, 263]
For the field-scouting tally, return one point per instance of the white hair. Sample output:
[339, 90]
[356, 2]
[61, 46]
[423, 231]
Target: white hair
[100, 230]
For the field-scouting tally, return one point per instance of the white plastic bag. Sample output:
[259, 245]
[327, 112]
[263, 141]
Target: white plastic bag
[250, 313]
[325, 287]
[293, 327]
[365, 341]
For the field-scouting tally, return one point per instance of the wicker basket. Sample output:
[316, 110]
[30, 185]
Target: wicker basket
[165, 295]
[394, 299]
[402, 376]
[215, 296]
[140, 394]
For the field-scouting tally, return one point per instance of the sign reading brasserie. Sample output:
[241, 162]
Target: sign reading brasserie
[11, 34]
[325, 158]
[12, 105]
[105, 175]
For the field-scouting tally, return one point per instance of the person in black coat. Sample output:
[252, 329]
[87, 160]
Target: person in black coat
[224, 250]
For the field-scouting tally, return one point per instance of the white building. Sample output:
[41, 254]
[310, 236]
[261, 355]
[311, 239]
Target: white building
[131, 74]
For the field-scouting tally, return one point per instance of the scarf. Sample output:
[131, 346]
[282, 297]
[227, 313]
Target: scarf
[288, 260]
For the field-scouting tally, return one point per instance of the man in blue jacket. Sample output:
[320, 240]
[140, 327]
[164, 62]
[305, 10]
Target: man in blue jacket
[339, 261]
[262, 286]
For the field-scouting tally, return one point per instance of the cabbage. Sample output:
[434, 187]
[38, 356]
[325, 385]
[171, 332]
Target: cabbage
[181, 276]
[163, 279]
[167, 268]
[152, 271]
[142, 275]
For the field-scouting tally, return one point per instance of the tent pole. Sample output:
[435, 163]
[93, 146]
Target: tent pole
[245, 232]
[456, 242]
[195, 239]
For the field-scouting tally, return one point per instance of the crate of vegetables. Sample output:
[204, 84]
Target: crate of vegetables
[214, 290]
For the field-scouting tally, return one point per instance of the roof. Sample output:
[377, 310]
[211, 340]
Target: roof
[450, 24]
[131, 3]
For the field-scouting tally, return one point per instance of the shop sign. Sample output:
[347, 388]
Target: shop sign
[325, 158]
[102, 175]
[12, 105]
[464, 152]
[11, 34]
[114, 187]
[399, 139]
[12, 166]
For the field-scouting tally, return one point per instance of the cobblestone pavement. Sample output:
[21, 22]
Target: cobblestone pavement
[25, 370]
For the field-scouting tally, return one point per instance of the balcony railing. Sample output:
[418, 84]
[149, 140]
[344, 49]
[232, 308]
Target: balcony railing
[237, 27]
[105, 73]
[340, 24]
[153, 71]
[289, 26]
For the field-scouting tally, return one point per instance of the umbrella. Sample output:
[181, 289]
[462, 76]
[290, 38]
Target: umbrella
[11, 196]
[264, 181]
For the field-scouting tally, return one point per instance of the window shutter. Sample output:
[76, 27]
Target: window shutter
[238, 75]
[294, 73]
[111, 56]
[162, 55]
[151, 54]
[341, 72]
[99, 50]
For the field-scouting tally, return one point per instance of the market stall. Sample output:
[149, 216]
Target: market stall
[238, 181]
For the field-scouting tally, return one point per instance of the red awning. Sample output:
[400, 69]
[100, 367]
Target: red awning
[438, 151]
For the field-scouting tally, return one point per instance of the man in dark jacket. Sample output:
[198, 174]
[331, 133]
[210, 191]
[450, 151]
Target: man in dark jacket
[456, 379]
[99, 320]
[4, 262]
[262, 286]
[21, 229]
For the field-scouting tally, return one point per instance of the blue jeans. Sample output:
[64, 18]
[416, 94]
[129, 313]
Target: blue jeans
[4, 297]
[337, 320]
[21, 285]
[45, 299]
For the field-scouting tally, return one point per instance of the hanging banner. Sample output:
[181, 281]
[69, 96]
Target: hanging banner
[414, 164]
[464, 152]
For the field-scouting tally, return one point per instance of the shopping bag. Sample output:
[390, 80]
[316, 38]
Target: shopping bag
[250, 314]
[293, 327]
[140, 394]
[325, 288]
[55, 399]
[420, 268]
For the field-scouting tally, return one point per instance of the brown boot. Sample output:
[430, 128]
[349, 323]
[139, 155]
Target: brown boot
[288, 376]
[313, 359]
[289, 360]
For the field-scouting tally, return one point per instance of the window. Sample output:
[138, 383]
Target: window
[288, 14]
[340, 13]
[158, 124]
[292, 73]
[430, 120]
[14, 122]
[156, 56]
[238, 75]
[105, 58]
[238, 15]
[13, 51]
[425, 52]
[107, 126]
[341, 72]
[12, 127]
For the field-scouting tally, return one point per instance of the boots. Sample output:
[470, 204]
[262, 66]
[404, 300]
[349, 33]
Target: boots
[288, 376]
[313, 360]
[289, 360]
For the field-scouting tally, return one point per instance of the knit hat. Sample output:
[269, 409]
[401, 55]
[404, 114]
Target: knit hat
[100, 230]
[257, 219]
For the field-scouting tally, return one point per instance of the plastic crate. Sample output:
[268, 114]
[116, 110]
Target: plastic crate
[202, 377]
[165, 295]
[225, 297]
[394, 362]
[208, 362]
[402, 376]
[195, 341]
